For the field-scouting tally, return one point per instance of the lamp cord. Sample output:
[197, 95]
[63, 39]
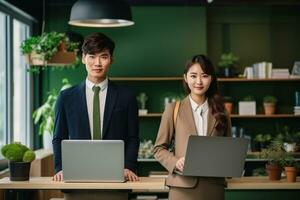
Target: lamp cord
[43, 23]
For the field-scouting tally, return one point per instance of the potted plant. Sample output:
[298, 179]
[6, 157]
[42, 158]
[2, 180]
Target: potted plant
[290, 168]
[142, 99]
[274, 154]
[20, 158]
[269, 104]
[288, 140]
[45, 115]
[263, 140]
[51, 48]
[227, 63]
[247, 106]
[228, 103]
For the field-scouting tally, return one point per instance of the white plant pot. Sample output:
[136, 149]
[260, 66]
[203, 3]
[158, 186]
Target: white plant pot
[289, 147]
[143, 111]
[47, 141]
[247, 108]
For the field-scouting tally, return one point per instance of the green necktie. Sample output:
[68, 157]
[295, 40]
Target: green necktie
[96, 114]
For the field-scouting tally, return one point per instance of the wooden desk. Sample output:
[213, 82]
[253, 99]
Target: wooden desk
[46, 183]
[261, 183]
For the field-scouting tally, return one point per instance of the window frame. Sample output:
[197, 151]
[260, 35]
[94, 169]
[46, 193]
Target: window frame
[11, 13]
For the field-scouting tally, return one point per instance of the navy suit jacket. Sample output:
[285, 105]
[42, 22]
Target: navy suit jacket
[120, 120]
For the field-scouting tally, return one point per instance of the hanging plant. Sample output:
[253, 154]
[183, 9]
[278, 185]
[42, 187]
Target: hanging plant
[50, 49]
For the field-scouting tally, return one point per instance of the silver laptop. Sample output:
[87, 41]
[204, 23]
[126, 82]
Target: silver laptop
[215, 156]
[93, 160]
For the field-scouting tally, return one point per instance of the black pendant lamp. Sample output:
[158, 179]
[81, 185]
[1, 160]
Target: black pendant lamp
[101, 13]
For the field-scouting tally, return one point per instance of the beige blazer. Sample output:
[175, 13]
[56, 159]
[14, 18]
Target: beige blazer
[185, 126]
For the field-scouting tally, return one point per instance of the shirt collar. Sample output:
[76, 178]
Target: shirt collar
[102, 85]
[195, 106]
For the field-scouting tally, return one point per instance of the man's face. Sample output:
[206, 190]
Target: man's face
[97, 65]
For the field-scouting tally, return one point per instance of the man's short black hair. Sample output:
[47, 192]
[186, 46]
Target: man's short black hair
[96, 43]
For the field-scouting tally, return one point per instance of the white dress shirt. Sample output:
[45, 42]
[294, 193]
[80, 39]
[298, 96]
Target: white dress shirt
[89, 101]
[200, 113]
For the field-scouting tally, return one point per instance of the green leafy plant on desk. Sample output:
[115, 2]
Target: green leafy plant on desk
[20, 158]
[274, 154]
[290, 167]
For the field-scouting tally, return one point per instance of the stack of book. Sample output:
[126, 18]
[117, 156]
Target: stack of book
[280, 73]
[259, 70]
[297, 110]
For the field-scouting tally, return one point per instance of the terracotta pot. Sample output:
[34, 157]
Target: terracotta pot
[274, 172]
[269, 108]
[228, 107]
[291, 174]
[62, 47]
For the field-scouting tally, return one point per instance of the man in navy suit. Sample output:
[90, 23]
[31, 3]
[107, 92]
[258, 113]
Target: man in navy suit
[117, 108]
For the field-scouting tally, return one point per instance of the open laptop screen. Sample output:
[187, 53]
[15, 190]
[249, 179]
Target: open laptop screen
[93, 160]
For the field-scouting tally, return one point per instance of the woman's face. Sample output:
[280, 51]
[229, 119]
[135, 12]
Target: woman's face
[197, 80]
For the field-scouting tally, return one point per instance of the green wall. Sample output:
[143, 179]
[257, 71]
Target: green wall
[159, 43]
[255, 34]
[163, 38]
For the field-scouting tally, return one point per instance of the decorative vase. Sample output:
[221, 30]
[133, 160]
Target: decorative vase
[274, 172]
[269, 108]
[291, 174]
[19, 171]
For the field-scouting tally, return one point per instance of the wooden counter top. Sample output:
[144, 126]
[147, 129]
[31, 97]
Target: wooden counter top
[261, 183]
[47, 183]
[147, 184]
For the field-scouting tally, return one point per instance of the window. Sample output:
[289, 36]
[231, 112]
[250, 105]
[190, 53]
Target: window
[21, 86]
[15, 82]
[2, 80]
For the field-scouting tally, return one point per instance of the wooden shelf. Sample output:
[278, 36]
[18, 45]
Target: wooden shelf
[239, 116]
[151, 115]
[178, 78]
[257, 79]
[265, 116]
[146, 78]
[251, 157]
[146, 160]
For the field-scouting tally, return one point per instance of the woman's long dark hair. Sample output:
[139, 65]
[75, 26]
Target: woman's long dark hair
[215, 100]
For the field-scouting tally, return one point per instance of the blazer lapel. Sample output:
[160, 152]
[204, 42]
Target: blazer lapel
[111, 98]
[211, 123]
[188, 116]
[82, 110]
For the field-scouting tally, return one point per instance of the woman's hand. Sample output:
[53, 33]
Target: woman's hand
[180, 164]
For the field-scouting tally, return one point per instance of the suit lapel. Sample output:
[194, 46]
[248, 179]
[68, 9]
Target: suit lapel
[82, 110]
[188, 116]
[110, 101]
[211, 122]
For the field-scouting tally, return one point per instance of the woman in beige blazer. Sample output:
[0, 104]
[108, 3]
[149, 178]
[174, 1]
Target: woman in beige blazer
[201, 112]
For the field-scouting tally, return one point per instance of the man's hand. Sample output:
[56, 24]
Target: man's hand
[180, 164]
[130, 176]
[58, 176]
